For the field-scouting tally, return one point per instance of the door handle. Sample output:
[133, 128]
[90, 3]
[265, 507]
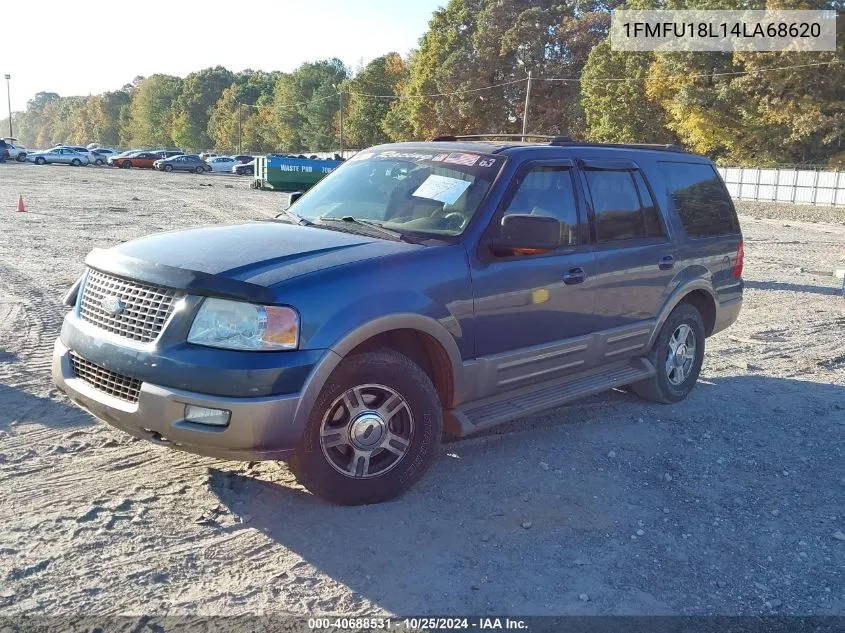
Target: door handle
[574, 276]
[666, 262]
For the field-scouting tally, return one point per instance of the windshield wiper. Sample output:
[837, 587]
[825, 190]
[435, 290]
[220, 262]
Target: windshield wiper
[378, 228]
[298, 219]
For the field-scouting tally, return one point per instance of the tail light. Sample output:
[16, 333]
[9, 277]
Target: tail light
[740, 260]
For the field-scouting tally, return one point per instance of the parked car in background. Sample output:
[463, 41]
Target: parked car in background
[93, 157]
[206, 155]
[16, 151]
[247, 169]
[105, 152]
[141, 160]
[243, 159]
[189, 162]
[127, 154]
[221, 163]
[60, 155]
[167, 153]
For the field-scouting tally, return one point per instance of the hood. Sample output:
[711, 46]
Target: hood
[257, 254]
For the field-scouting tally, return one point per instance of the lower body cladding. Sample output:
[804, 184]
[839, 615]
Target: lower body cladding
[243, 428]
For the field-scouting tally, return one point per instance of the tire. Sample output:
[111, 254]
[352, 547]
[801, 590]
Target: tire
[329, 460]
[76, 162]
[40, 161]
[99, 162]
[126, 165]
[250, 171]
[200, 169]
[21, 158]
[673, 382]
[168, 168]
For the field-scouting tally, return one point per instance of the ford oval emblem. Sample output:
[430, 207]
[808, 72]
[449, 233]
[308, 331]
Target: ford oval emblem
[112, 305]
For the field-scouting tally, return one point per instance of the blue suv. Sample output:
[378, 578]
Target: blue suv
[421, 288]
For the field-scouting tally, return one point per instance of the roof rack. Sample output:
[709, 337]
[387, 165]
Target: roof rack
[561, 141]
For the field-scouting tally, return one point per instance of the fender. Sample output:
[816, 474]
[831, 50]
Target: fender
[336, 353]
[683, 289]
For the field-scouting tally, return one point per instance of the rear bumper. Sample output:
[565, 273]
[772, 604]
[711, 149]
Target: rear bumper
[727, 313]
[259, 428]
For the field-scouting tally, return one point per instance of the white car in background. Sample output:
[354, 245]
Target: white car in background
[221, 163]
[16, 151]
[93, 158]
[61, 155]
[105, 152]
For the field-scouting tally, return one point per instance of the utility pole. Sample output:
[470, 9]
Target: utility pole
[340, 94]
[525, 111]
[9, 99]
[240, 106]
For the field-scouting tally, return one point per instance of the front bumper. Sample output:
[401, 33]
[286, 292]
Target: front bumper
[259, 428]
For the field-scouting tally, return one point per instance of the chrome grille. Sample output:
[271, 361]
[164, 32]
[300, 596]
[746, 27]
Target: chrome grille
[145, 307]
[101, 379]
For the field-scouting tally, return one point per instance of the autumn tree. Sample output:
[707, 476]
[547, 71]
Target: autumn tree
[150, 120]
[364, 115]
[193, 107]
[241, 118]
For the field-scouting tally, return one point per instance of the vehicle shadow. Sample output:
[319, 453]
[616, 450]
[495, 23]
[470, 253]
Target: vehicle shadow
[780, 285]
[524, 523]
[22, 407]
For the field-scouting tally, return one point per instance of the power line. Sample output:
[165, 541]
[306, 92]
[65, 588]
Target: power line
[580, 79]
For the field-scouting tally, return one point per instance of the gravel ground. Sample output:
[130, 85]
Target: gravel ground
[730, 502]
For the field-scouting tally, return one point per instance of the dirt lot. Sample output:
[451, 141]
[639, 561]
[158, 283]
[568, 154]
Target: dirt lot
[732, 502]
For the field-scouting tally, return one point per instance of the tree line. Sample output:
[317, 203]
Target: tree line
[731, 106]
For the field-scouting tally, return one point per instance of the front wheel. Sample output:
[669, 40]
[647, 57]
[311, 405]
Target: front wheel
[200, 170]
[76, 162]
[40, 161]
[373, 431]
[99, 162]
[677, 356]
[126, 165]
[21, 158]
[168, 168]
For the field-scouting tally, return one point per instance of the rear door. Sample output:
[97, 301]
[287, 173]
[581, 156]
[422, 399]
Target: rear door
[533, 311]
[635, 260]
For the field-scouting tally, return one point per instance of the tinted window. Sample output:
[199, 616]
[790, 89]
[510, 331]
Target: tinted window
[620, 212]
[548, 191]
[701, 199]
[653, 227]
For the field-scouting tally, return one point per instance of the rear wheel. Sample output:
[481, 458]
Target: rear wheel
[249, 171]
[21, 157]
[76, 162]
[40, 161]
[99, 162]
[168, 168]
[677, 356]
[200, 169]
[373, 431]
[126, 165]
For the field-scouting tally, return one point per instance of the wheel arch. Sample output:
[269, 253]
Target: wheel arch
[421, 338]
[697, 292]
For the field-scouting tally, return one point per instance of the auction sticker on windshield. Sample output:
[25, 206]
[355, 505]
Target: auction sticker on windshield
[442, 188]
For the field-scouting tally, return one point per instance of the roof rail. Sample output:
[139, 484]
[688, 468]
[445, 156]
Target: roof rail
[562, 141]
[664, 147]
[463, 137]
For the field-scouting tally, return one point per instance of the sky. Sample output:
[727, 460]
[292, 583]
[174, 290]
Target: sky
[82, 48]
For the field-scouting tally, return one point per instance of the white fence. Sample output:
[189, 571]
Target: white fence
[800, 186]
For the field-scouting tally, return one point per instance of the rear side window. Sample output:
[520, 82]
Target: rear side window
[624, 209]
[701, 198]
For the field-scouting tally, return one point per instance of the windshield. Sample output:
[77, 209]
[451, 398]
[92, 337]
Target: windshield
[417, 191]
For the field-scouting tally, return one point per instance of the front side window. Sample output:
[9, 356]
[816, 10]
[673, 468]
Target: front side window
[549, 191]
[623, 210]
[412, 190]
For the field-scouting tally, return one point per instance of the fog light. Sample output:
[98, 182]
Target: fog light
[204, 415]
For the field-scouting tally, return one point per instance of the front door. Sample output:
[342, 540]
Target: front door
[533, 311]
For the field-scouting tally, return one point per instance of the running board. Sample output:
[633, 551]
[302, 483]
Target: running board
[499, 408]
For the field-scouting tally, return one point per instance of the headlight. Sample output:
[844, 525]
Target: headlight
[244, 326]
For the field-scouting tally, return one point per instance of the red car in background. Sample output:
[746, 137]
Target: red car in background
[142, 159]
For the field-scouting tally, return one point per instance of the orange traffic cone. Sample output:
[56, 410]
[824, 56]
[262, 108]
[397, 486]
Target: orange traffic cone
[21, 205]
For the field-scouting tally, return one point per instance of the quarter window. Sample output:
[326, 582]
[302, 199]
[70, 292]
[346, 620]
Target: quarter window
[624, 209]
[701, 198]
[548, 191]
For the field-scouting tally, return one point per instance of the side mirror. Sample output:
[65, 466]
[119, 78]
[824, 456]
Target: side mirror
[293, 196]
[530, 232]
